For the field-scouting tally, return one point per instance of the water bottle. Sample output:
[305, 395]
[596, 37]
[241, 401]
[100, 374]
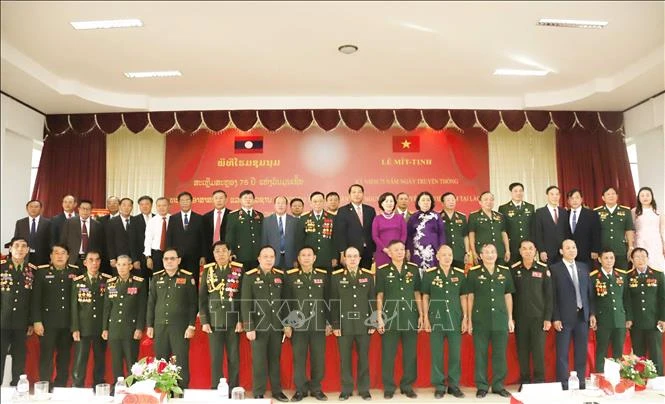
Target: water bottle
[573, 383]
[120, 390]
[23, 389]
[223, 389]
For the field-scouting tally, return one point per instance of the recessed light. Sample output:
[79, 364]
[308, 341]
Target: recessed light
[567, 23]
[105, 24]
[520, 72]
[145, 75]
[348, 49]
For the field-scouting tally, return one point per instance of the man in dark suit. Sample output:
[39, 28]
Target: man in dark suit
[214, 223]
[573, 311]
[185, 233]
[583, 228]
[37, 230]
[113, 206]
[118, 231]
[137, 236]
[278, 231]
[550, 226]
[69, 204]
[81, 234]
[354, 226]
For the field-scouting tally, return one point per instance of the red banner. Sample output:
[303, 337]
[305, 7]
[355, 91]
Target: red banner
[295, 164]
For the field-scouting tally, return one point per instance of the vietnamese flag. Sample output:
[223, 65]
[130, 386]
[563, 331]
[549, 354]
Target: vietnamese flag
[248, 144]
[406, 144]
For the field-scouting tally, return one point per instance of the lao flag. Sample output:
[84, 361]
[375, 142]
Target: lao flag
[248, 144]
[406, 144]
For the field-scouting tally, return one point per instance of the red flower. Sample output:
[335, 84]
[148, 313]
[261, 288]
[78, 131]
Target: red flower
[150, 360]
[161, 366]
[640, 367]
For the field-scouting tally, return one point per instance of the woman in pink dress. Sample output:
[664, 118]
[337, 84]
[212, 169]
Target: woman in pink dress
[387, 227]
[649, 228]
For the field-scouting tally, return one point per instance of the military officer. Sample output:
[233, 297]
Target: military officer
[262, 310]
[87, 300]
[398, 285]
[16, 283]
[491, 318]
[307, 291]
[172, 310]
[488, 227]
[244, 231]
[124, 315]
[316, 228]
[219, 310]
[533, 311]
[617, 232]
[457, 230]
[51, 313]
[352, 301]
[518, 215]
[646, 287]
[445, 308]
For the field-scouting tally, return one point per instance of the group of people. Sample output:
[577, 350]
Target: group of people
[345, 271]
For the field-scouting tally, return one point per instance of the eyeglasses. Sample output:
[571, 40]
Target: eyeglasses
[170, 258]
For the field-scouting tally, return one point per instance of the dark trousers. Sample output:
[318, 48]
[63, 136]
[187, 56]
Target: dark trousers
[579, 333]
[314, 343]
[123, 352]
[345, 343]
[530, 339]
[437, 339]
[267, 347]
[605, 337]
[157, 260]
[366, 261]
[170, 340]
[409, 359]
[648, 343]
[218, 340]
[58, 340]
[481, 342]
[81, 354]
[12, 342]
[191, 263]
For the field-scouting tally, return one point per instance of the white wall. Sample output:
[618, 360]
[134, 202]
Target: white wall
[20, 128]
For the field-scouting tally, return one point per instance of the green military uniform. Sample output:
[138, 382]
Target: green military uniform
[445, 316]
[124, 313]
[52, 307]
[87, 300]
[647, 301]
[532, 305]
[519, 222]
[352, 301]
[490, 322]
[613, 228]
[16, 283]
[612, 304]
[457, 229]
[307, 294]
[243, 234]
[319, 235]
[401, 321]
[172, 308]
[219, 306]
[488, 231]
[262, 310]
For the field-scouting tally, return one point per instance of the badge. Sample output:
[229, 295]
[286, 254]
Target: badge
[363, 280]
[132, 291]
[454, 279]
[49, 276]
[390, 275]
[619, 281]
[71, 276]
[278, 281]
[536, 274]
[633, 283]
[180, 281]
[318, 281]
[482, 277]
[501, 277]
[343, 281]
[258, 281]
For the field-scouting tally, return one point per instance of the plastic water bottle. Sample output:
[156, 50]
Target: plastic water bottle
[22, 389]
[573, 383]
[223, 389]
[120, 390]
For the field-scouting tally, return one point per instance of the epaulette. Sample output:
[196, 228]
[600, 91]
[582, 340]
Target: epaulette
[44, 266]
[31, 265]
[383, 266]
[503, 266]
[657, 270]
[158, 272]
[458, 269]
[431, 269]
[598, 208]
[412, 263]
[137, 278]
[460, 213]
[279, 271]
[212, 264]
[338, 271]
[621, 271]
[292, 271]
[630, 270]
[252, 271]
[592, 273]
[234, 211]
[73, 266]
[477, 211]
[541, 263]
[369, 271]
[518, 263]
[236, 264]
[321, 271]
[113, 279]
[186, 272]
[78, 278]
[625, 207]
[305, 213]
[474, 268]
[107, 276]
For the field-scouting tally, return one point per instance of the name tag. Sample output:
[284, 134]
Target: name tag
[391, 275]
[454, 279]
[180, 281]
[536, 275]
[49, 277]
[318, 281]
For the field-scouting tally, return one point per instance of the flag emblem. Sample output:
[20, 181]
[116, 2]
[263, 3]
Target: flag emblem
[406, 144]
[248, 144]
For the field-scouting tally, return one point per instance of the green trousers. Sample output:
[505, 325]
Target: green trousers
[649, 343]
[409, 359]
[267, 347]
[124, 352]
[436, 339]
[604, 337]
[481, 341]
[314, 343]
[170, 340]
[57, 340]
[81, 355]
[218, 340]
[530, 339]
[345, 344]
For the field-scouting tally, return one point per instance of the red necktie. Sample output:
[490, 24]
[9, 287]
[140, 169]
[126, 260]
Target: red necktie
[556, 215]
[69, 215]
[162, 240]
[218, 227]
[360, 215]
[84, 237]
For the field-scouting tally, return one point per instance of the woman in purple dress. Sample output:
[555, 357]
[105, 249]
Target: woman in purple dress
[425, 232]
[387, 227]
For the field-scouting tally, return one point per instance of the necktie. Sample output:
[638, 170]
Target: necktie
[33, 230]
[126, 223]
[282, 239]
[186, 221]
[84, 237]
[318, 217]
[574, 223]
[556, 215]
[69, 215]
[360, 214]
[353, 273]
[162, 240]
[218, 227]
[576, 282]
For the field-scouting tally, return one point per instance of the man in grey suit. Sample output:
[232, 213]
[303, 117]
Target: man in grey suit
[82, 233]
[279, 232]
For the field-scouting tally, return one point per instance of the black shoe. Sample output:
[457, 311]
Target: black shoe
[344, 396]
[319, 396]
[456, 392]
[410, 394]
[366, 396]
[388, 394]
[439, 394]
[502, 393]
[280, 397]
[297, 397]
[481, 393]
[258, 396]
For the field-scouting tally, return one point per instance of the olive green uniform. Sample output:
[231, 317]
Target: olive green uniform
[519, 223]
[613, 228]
[488, 231]
[445, 316]
[401, 322]
[172, 308]
[87, 300]
[243, 234]
[647, 302]
[352, 302]
[319, 235]
[490, 322]
[456, 229]
[262, 310]
[219, 306]
[532, 305]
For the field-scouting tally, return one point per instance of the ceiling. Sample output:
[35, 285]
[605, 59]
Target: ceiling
[283, 55]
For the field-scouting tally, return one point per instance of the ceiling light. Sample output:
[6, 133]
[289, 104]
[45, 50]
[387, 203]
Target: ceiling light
[520, 72]
[556, 22]
[145, 75]
[104, 24]
[348, 49]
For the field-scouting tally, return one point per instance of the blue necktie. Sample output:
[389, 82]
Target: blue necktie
[186, 221]
[574, 224]
[282, 240]
[33, 230]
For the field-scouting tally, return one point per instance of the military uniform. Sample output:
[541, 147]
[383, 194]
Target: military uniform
[519, 222]
[352, 301]
[445, 316]
[219, 306]
[401, 321]
[243, 234]
[16, 284]
[490, 322]
[124, 313]
[488, 231]
[647, 301]
[87, 300]
[613, 227]
[457, 229]
[172, 308]
[51, 306]
[307, 295]
[319, 235]
[532, 305]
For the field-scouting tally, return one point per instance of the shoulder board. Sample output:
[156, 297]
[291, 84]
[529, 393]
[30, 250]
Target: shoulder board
[236, 264]
[212, 264]
[158, 272]
[137, 278]
[305, 213]
[594, 272]
[460, 213]
[383, 266]
[412, 263]
[184, 271]
[338, 271]
[31, 265]
[369, 271]
[113, 279]
[73, 266]
[503, 267]
[252, 271]
[458, 269]
[621, 271]
[5, 261]
[292, 271]
[630, 270]
[518, 263]
[234, 211]
[431, 269]
[476, 211]
[496, 211]
[657, 270]
[321, 271]
[107, 276]
[598, 208]
[474, 268]
[44, 266]
[625, 207]
[541, 263]
[78, 278]
[279, 271]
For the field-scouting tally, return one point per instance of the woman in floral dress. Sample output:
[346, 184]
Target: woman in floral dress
[425, 233]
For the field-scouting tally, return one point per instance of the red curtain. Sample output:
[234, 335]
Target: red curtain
[592, 159]
[72, 164]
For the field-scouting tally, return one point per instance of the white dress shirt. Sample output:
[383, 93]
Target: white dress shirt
[575, 212]
[612, 209]
[283, 222]
[553, 209]
[153, 233]
[215, 215]
[87, 228]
